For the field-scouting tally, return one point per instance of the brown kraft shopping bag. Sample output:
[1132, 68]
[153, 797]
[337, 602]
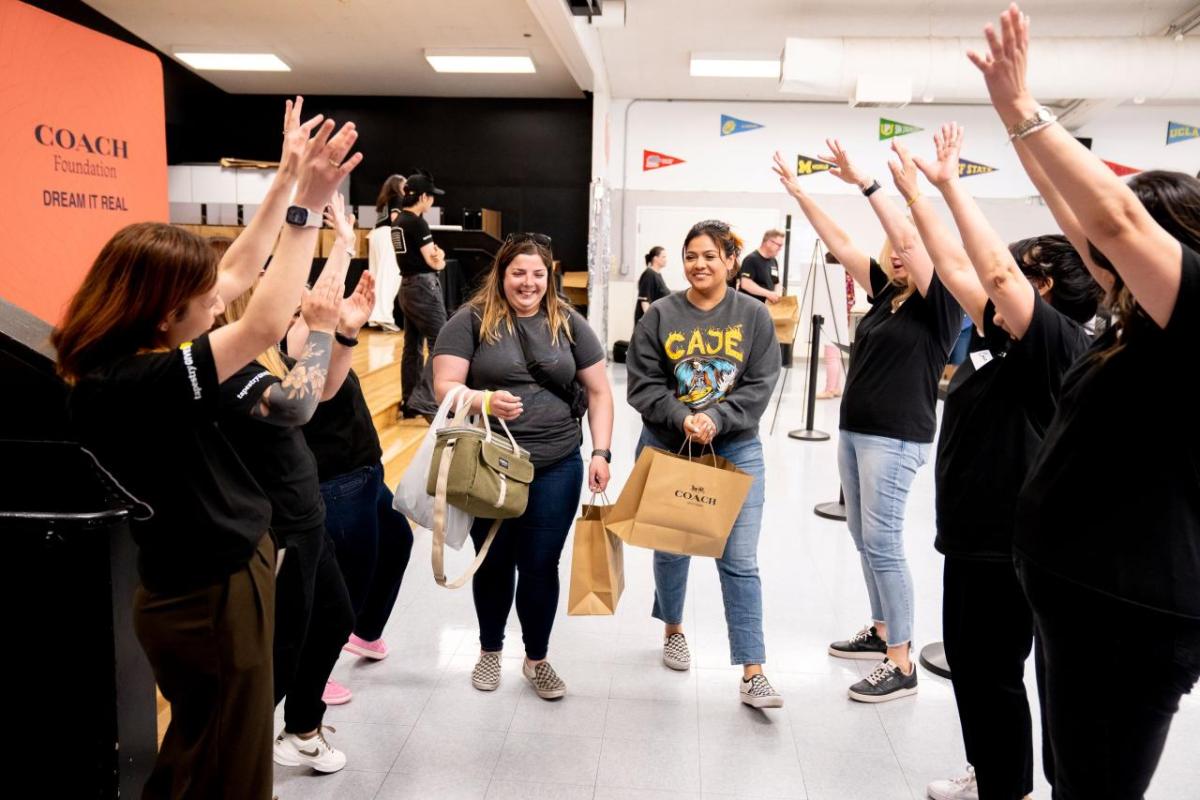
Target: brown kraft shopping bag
[680, 504]
[597, 565]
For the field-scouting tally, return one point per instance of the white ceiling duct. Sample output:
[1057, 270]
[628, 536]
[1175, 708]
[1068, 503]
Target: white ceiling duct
[1158, 68]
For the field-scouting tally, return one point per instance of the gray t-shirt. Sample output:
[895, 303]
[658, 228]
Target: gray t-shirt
[545, 428]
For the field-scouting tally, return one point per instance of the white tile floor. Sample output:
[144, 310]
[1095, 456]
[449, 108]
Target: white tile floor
[631, 729]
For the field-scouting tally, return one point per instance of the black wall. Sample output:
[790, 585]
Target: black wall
[529, 159]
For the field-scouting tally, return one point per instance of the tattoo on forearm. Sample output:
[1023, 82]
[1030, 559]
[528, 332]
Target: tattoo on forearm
[303, 386]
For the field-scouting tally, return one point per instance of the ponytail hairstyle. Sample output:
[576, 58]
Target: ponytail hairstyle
[653, 254]
[392, 190]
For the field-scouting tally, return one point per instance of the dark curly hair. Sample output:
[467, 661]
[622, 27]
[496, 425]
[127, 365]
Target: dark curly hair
[1074, 293]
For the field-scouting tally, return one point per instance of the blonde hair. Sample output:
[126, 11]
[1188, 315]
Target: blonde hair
[271, 359]
[905, 286]
[493, 308]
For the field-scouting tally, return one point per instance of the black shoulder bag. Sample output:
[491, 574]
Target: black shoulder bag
[573, 394]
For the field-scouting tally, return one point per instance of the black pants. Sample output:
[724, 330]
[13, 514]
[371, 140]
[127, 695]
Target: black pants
[313, 619]
[988, 631]
[529, 546]
[424, 315]
[1107, 720]
[210, 649]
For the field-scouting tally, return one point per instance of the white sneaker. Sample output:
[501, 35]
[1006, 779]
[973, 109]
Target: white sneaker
[315, 752]
[964, 788]
[759, 693]
[676, 654]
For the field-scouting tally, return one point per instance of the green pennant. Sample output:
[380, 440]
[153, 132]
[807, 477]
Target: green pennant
[889, 129]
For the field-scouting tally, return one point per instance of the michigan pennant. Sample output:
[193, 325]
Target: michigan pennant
[1178, 132]
[652, 160]
[807, 165]
[968, 168]
[1121, 169]
[731, 125]
[889, 129]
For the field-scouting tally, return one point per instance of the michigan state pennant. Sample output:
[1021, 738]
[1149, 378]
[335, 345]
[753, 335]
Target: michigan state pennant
[807, 165]
[1178, 132]
[889, 129]
[652, 160]
[731, 125]
[968, 168]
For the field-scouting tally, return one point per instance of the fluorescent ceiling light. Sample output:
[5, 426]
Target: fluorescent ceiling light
[713, 65]
[481, 61]
[241, 62]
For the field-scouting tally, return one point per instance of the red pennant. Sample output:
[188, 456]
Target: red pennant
[652, 160]
[1121, 169]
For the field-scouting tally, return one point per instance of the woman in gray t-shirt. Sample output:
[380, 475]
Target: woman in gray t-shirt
[484, 346]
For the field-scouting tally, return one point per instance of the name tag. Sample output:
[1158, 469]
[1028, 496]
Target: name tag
[979, 358]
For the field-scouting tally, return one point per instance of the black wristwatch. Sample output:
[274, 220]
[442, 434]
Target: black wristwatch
[303, 217]
[872, 189]
[605, 454]
[344, 340]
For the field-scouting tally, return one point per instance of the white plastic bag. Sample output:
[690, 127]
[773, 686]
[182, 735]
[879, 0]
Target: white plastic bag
[411, 499]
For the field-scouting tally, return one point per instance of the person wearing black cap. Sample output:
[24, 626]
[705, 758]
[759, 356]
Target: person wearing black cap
[420, 292]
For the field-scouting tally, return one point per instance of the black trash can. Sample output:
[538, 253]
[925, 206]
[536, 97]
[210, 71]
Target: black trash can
[79, 676]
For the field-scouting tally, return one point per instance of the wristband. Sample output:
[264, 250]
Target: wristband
[344, 340]
[872, 189]
[487, 403]
[910, 203]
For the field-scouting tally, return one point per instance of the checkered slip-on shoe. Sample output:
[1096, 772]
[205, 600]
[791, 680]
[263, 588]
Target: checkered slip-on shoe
[758, 693]
[486, 675]
[676, 654]
[545, 680]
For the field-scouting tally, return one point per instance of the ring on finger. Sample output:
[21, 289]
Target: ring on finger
[335, 163]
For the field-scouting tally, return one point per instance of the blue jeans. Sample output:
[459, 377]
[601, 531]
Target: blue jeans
[741, 588]
[528, 546]
[373, 543]
[877, 472]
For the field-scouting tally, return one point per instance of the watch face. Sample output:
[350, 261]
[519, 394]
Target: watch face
[297, 215]
[1044, 114]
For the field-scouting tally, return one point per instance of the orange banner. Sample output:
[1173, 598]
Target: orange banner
[83, 144]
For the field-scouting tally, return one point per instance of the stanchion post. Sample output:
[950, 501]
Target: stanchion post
[808, 434]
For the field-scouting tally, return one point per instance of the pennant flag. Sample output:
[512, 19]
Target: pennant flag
[1178, 132]
[807, 165]
[731, 125]
[652, 160]
[968, 168]
[889, 128]
[1121, 169]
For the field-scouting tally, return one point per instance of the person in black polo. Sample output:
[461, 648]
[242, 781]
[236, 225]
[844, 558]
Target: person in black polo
[651, 285]
[420, 292]
[759, 274]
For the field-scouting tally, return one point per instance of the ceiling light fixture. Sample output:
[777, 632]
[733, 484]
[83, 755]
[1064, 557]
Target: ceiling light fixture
[239, 62]
[507, 62]
[719, 65]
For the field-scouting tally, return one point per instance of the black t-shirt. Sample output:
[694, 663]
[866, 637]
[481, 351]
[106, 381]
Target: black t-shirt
[276, 455]
[409, 234]
[763, 271]
[651, 287]
[341, 434]
[151, 419]
[1112, 501]
[897, 360]
[1000, 403]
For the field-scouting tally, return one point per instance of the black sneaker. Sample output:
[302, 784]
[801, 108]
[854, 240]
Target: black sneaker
[886, 682]
[865, 644]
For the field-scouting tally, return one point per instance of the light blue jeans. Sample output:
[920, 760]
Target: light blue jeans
[877, 472]
[741, 589]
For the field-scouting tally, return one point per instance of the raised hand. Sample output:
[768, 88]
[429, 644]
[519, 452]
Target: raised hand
[904, 173]
[324, 164]
[948, 143]
[356, 309]
[787, 176]
[336, 217]
[321, 306]
[844, 169]
[295, 136]
[1005, 64]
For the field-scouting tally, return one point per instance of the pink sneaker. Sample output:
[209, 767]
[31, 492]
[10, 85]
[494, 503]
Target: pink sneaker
[335, 694]
[375, 650]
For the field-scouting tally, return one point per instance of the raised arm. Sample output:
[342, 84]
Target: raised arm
[855, 261]
[998, 272]
[1148, 259]
[323, 166]
[243, 261]
[905, 241]
[950, 260]
[355, 309]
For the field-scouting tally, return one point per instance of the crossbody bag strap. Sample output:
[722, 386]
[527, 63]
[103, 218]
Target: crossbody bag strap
[539, 373]
[439, 529]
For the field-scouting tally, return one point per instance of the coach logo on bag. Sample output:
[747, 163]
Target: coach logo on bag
[696, 495]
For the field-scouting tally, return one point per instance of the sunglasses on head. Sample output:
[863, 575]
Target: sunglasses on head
[539, 239]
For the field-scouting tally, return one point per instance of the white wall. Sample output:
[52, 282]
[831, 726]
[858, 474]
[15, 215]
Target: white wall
[734, 171]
